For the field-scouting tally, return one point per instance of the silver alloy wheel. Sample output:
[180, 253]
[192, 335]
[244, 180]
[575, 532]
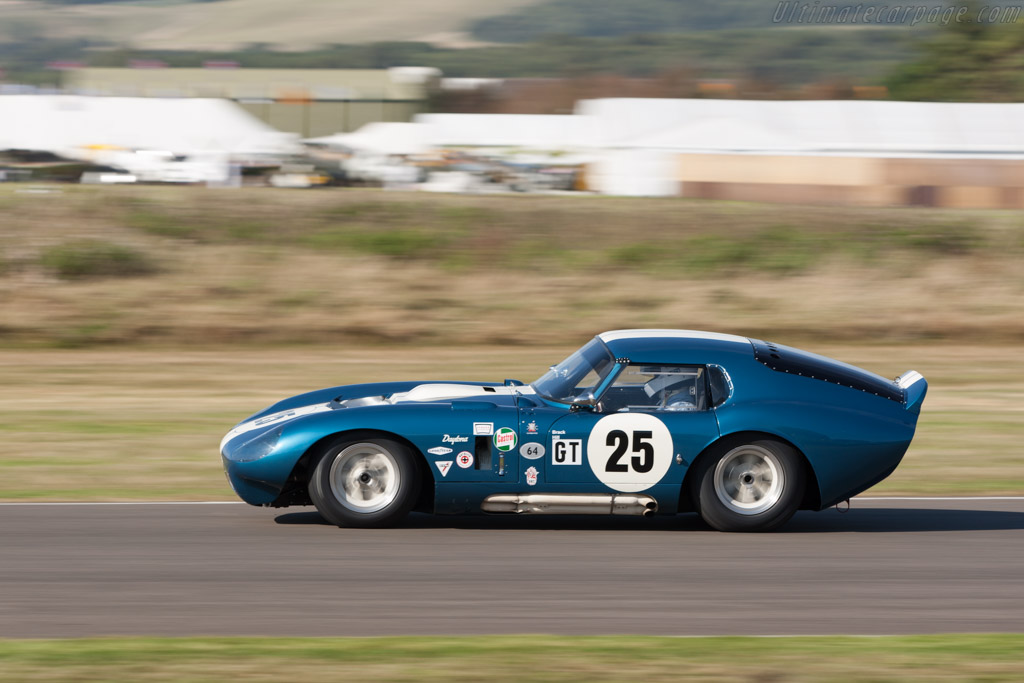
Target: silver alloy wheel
[365, 477]
[749, 479]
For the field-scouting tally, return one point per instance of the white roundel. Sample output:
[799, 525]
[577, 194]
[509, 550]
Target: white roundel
[629, 452]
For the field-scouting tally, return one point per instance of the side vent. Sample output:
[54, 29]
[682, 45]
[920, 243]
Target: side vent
[482, 453]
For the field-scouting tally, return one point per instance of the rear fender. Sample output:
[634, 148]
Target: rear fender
[812, 494]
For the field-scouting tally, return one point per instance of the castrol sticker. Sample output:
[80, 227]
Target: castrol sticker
[505, 439]
[629, 452]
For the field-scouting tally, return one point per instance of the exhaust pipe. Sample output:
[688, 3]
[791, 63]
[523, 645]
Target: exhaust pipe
[570, 504]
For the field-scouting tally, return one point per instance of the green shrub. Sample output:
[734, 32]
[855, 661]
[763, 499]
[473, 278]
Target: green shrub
[85, 259]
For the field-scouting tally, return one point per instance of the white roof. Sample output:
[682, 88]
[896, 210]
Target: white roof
[616, 335]
[828, 126]
[389, 138]
[68, 124]
[533, 131]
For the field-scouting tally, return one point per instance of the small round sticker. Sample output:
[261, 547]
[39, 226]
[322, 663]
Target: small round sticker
[532, 451]
[464, 460]
[629, 452]
[505, 439]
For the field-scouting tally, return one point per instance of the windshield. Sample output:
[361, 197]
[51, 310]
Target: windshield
[582, 370]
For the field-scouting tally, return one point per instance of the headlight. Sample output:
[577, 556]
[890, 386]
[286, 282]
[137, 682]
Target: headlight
[279, 416]
[254, 449]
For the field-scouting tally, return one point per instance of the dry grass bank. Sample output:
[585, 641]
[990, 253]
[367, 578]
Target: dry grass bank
[88, 266]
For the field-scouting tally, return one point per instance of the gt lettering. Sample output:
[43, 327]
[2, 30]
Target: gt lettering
[641, 444]
[566, 451]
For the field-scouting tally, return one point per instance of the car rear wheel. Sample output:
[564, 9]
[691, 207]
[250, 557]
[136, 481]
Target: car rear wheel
[364, 483]
[754, 486]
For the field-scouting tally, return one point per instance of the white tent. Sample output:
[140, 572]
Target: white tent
[385, 138]
[525, 131]
[826, 127]
[75, 126]
[638, 140]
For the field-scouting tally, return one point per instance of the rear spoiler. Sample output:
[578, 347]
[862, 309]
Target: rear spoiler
[914, 387]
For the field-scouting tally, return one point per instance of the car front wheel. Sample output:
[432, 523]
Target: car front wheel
[364, 483]
[755, 486]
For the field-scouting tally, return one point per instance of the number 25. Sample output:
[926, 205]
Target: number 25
[620, 440]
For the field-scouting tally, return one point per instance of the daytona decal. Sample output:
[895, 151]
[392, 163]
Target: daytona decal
[505, 439]
[454, 439]
[629, 452]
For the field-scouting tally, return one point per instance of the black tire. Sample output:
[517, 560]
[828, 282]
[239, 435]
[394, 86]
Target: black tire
[753, 486]
[366, 483]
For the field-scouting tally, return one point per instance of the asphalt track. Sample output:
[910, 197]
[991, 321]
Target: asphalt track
[886, 567]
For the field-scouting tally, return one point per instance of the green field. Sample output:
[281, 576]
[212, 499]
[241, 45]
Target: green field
[518, 658]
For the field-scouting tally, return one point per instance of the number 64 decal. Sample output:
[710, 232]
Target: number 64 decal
[629, 452]
[641, 444]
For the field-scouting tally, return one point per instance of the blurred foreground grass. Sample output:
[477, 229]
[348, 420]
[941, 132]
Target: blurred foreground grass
[142, 424]
[518, 658]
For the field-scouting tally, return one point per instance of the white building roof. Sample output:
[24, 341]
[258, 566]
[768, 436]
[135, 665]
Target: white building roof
[815, 127]
[71, 125]
[531, 131]
[386, 137]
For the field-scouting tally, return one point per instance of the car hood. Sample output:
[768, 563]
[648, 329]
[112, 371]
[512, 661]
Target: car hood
[382, 394]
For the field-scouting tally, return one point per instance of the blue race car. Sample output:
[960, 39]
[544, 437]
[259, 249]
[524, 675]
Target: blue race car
[636, 422]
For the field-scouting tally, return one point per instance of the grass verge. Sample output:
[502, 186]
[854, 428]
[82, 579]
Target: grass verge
[144, 424]
[518, 658]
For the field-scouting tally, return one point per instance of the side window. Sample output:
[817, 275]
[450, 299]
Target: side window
[720, 385]
[643, 388]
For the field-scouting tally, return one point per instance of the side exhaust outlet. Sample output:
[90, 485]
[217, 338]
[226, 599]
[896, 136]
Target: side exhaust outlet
[570, 504]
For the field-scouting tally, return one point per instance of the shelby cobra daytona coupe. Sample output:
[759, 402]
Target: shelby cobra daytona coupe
[636, 422]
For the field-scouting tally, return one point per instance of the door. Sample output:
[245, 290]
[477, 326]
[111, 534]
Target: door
[647, 428]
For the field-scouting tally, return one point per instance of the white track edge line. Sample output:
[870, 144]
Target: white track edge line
[866, 499]
[137, 502]
[870, 498]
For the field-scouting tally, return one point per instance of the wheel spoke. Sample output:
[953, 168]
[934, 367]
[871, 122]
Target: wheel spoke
[748, 479]
[364, 477]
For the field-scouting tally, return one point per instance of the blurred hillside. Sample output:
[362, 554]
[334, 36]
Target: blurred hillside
[771, 58]
[759, 48]
[231, 24]
[606, 18]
